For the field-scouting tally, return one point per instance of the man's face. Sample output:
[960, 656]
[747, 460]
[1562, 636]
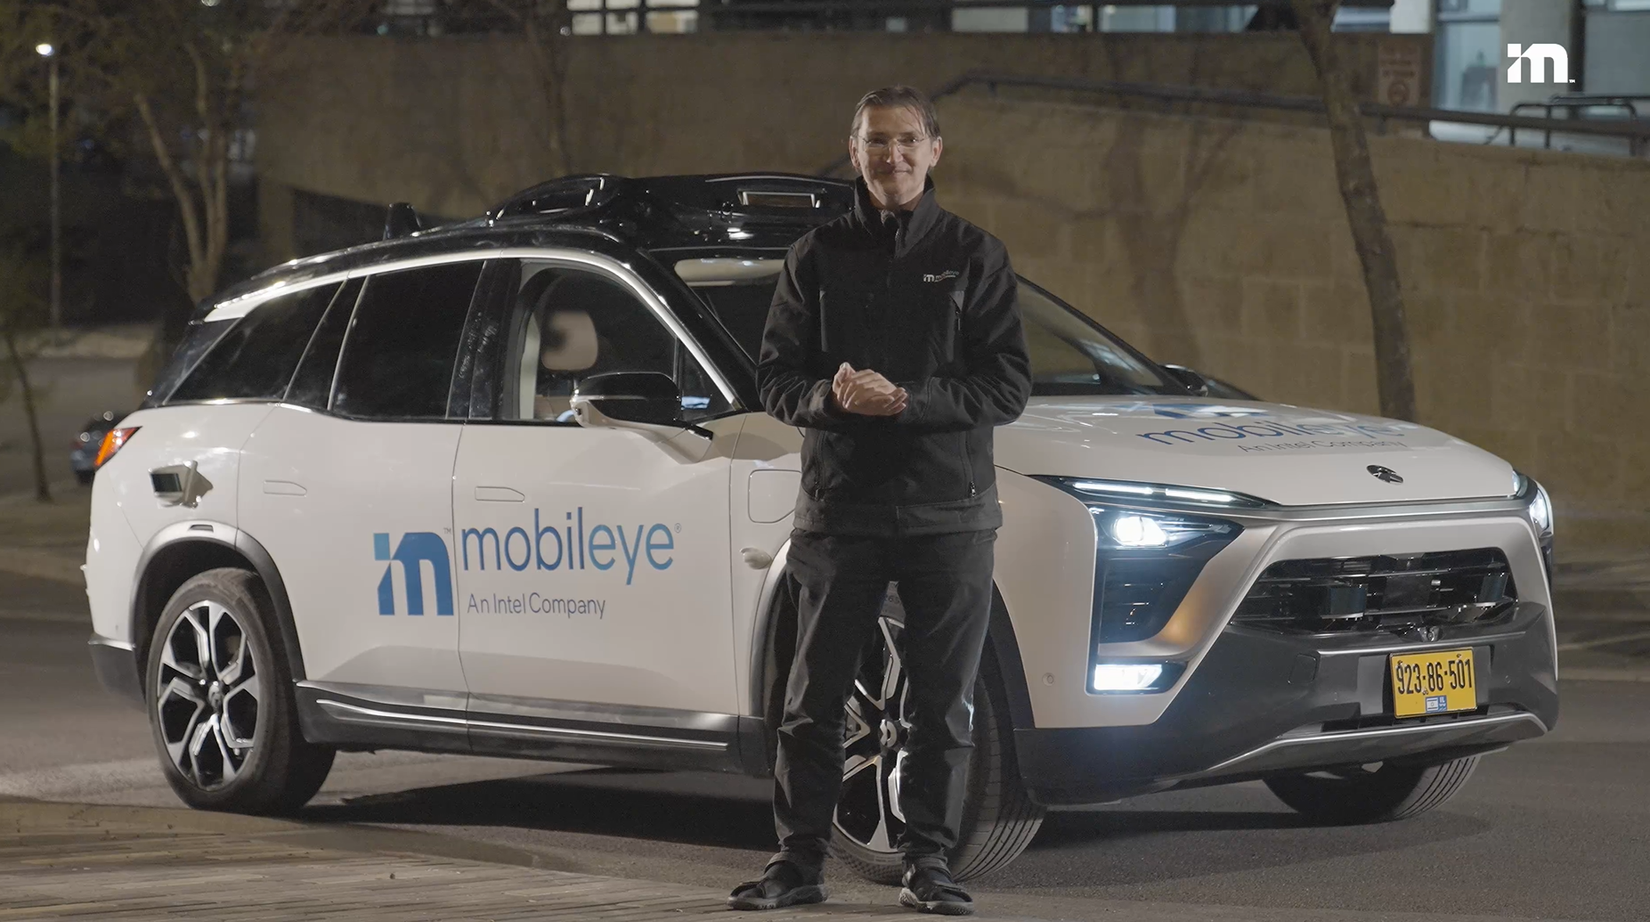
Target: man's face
[893, 153]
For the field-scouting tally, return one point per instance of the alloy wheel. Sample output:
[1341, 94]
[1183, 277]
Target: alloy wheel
[874, 735]
[207, 695]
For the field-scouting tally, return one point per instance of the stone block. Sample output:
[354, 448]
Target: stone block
[1310, 375]
[1582, 470]
[1359, 385]
[1550, 198]
[1436, 259]
[1491, 191]
[1602, 402]
[1298, 184]
[1527, 398]
[1227, 179]
[1587, 267]
[1290, 247]
[1214, 305]
[1428, 317]
[1271, 309]
[1490, 329]
[1419, 189]
[1337, 312]
[1630, 338]
[1218, 242]
[1450, 394]
[1029, 228]
[1519, 263]
[1567, 335]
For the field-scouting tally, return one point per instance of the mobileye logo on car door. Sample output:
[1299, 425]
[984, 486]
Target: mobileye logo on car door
[572, 546]
[415, 549]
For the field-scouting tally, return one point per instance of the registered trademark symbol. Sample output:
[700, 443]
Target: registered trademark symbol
[678, 528]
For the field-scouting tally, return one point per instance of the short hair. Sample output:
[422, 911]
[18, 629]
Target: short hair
[899, 96]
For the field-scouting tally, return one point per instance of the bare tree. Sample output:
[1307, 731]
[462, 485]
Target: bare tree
[184, 69]
[1370, 236]
[23, 313]
[547, 25]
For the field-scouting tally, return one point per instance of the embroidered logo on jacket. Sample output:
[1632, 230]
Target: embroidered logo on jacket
[940, 277]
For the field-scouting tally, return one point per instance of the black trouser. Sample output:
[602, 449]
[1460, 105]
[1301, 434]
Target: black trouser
[945, 587]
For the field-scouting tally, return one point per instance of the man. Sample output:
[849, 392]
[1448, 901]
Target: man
[895, 340]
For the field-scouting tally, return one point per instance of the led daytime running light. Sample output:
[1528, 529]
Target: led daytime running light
[1164, 492]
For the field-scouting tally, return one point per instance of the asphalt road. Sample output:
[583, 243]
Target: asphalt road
[1553, 829]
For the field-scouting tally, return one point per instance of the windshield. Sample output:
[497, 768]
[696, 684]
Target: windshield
[1070, 355]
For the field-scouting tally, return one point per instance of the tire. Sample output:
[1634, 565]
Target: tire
[999, 819]
[228, 737]
[1358, 795]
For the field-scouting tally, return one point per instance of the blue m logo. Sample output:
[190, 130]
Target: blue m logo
[416, 548]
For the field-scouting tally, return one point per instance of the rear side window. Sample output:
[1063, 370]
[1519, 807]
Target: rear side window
[312, 385]
[256, 358]
[402, 343]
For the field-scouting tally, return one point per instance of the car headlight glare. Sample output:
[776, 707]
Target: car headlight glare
[1541, 511]
[1127, 529]
[1161, 493]
[1124, 678]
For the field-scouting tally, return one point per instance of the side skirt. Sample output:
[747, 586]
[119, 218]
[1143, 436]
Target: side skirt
[353, 718]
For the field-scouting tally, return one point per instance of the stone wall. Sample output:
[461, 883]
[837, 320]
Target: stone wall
[1223, 245]
[454, 125]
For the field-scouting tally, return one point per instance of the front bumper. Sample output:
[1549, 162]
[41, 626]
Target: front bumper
[1265, 703]
[115, 663]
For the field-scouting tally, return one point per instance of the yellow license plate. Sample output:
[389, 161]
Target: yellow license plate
[1433, 683]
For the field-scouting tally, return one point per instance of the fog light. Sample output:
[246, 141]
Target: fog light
[1126, 676]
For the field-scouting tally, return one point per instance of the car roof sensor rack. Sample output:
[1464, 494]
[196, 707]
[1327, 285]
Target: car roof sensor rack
[401, 221]
[559, 195]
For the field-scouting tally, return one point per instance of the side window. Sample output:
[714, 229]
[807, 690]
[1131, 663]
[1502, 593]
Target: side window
[256, 358]
[401, 343]
[570, 324]
[312, 385]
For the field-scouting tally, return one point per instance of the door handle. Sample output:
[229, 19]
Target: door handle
[499, 495]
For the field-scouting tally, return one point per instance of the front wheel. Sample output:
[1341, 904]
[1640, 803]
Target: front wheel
[220, 701]
[1372, 794]
[999, 819]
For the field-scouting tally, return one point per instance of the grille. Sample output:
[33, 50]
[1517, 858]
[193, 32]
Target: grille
[1389, 592]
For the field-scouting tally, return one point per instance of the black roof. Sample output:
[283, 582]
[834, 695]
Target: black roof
[609, 213]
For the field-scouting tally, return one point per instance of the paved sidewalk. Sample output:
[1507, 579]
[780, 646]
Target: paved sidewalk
[61, 861]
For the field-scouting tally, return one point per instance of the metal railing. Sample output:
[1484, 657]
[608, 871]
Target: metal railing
[1635, 133]
[1574, 106]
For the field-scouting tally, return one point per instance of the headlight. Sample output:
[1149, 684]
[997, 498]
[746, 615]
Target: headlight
[1146, 559]
[1540, 509]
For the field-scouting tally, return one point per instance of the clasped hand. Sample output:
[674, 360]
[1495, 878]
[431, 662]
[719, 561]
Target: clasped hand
[867, 393]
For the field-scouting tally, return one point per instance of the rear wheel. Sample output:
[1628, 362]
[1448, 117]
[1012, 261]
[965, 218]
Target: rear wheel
[220, 701]
[999, 819]
[1372, 794]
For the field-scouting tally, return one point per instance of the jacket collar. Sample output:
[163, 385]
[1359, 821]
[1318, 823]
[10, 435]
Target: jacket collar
[917, 224]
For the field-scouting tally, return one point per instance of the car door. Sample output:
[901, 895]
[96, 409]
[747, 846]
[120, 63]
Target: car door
[348, 486]
[592, 562]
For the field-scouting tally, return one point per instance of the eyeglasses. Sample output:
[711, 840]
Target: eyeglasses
[906, 143]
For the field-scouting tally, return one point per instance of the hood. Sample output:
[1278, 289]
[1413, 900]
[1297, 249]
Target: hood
[1293, 456]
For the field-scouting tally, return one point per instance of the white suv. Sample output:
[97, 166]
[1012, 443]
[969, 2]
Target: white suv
[505, 488]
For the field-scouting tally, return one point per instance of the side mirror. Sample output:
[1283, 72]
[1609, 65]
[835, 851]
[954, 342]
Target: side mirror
[1189, 379]
[631, 396]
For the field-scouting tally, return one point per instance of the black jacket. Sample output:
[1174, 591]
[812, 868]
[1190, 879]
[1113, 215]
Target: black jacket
[930, 302]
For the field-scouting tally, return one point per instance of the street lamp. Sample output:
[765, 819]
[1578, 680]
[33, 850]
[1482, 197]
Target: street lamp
[45, 50]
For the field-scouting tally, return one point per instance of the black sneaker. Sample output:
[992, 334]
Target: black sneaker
[931, 889]
[782, 884]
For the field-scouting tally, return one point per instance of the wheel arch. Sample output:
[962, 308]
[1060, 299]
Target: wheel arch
[185, 549]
